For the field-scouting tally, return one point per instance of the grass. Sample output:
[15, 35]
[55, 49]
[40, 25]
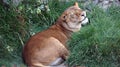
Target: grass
[98, 44]
[95, 45]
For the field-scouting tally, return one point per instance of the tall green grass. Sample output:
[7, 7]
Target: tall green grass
[98, 44]
[95, 45]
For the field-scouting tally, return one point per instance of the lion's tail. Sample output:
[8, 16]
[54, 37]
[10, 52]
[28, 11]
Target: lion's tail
[41, 65]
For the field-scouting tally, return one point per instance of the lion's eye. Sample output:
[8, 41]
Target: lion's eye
[78, 14]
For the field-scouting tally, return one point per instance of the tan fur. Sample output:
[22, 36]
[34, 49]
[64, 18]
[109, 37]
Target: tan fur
[44, 48]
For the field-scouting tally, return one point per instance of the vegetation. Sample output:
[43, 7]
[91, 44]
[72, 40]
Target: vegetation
[95, 45]
[98, 44]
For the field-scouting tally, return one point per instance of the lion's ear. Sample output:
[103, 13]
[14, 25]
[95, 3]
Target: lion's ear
[76, 4]
[64, 17]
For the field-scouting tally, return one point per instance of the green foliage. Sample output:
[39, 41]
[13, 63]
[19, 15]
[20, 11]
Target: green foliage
[96, 45]
[10, 36]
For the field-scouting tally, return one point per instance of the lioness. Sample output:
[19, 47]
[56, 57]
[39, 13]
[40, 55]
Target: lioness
[48, 48]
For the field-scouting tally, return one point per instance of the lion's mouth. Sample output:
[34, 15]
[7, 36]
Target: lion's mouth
[84, 21]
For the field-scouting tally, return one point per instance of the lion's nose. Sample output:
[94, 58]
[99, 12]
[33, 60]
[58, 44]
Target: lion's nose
[83, 13]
